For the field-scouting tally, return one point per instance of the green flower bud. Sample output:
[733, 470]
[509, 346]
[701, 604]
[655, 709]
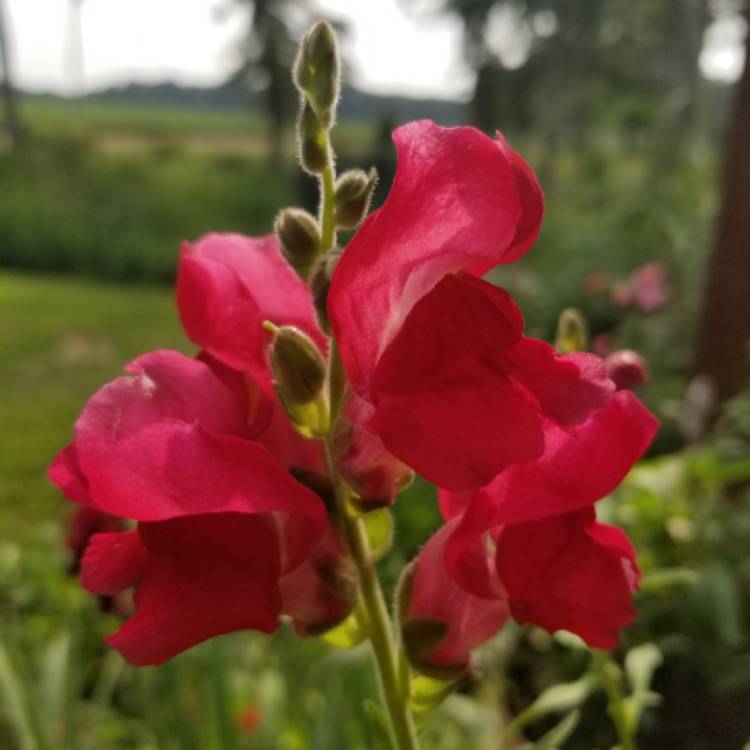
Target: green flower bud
[571, 332]
[316, 71]
[299, 237]
[312, 140]
[299, 373]
[352, 198]
[297, 365]
[320, 283]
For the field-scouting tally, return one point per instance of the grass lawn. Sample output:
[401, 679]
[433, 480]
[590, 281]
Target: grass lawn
[60, 339]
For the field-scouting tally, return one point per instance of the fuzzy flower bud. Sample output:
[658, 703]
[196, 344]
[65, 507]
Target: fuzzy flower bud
[316, 71]
[353, 192]
[314, 153]
[297, 365]
[299, 237]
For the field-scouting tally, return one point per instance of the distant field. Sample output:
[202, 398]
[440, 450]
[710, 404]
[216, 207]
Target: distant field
[118, 126]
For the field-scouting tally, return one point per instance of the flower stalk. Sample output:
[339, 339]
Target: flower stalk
[371, 608]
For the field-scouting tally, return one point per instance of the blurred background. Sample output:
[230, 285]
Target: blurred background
[128, 127]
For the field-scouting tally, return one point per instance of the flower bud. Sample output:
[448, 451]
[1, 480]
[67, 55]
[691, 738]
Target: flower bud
[316, 71]
[297, 365]
[320, 283]
[627, 369]
[352, 198]
[312, 139]
[299, 237]
[571, 332]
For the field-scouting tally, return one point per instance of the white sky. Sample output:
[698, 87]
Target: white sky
[185, 41]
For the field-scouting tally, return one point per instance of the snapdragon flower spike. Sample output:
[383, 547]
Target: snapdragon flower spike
[458, 392]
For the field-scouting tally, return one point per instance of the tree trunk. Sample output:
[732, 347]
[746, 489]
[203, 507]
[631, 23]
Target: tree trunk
[10, 103]
[723, 353]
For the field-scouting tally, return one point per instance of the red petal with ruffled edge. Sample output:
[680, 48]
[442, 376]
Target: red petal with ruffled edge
[575, 471]
[460, 393]
[163, 385]
[435, 595]
[171, 469]
[569, 573]
[203, 576]
[459, 201]
[113, 562]
[227, 285]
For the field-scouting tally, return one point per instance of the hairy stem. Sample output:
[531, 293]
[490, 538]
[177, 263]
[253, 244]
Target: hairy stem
[371, 607]
[327, 205]
[378, 625]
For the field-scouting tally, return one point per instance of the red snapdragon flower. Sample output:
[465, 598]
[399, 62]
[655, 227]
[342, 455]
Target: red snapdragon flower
[201, 455]
[456, 391]
[530, 540]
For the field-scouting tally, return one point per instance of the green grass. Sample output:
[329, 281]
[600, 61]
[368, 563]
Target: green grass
[60, 340]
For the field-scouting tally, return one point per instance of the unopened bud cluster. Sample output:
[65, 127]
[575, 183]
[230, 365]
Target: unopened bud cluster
[317, 76]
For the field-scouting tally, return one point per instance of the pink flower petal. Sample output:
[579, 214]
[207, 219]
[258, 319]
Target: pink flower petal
[460, 201]
[205, 576]
[227, 286]
[435, 595]
[571, 573]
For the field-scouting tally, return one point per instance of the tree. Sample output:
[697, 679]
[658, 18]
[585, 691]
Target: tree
[723, 352]
[10, 101]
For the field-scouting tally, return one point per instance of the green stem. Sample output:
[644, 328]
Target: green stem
[615, 700]
[371, 604]
[378, 625]
[327, 224]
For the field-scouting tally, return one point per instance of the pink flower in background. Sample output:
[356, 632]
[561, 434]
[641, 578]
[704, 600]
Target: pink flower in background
[650, 286]
[647, 288]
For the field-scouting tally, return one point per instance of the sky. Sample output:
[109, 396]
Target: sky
[193, 42]
[142, 40]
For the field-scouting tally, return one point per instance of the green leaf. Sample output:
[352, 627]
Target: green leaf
[428, 692]
[19, 704]
[640, 664]
[556, 699]
[346, 634]
[554, 739]
[379, 529]
[378, 724]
